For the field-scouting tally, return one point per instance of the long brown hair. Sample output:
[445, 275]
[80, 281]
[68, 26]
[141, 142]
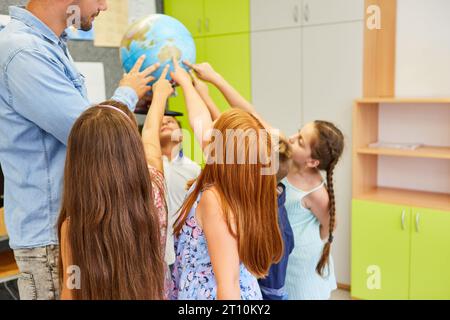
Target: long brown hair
[327, 147]
[113, 228]
[248, 197]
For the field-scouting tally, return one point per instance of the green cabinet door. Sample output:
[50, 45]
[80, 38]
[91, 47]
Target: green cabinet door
[227, 16]
[380, 251]
[430, 254]
[189, 12]
[230, 56]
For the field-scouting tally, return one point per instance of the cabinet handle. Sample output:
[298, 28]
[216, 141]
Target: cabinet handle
[199, 25]
[417, 222]
[296, 14]
[207, 24]
[306, 13]
[403, 219]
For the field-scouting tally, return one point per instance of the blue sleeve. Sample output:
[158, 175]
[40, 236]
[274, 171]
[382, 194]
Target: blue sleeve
[127, 96]
[41, 92]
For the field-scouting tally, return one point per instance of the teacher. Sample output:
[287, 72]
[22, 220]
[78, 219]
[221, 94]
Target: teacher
[41, 96]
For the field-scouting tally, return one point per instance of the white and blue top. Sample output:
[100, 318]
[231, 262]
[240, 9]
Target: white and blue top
[302, 280]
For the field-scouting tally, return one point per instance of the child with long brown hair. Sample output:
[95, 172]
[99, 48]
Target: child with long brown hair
[227, 234]
[311, 208]
[113, 221]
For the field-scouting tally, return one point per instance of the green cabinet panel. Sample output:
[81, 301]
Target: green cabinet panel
[211, 17]
[230, 56]
[227, 16]
[430, 254]
[189, 12]
[380, 251]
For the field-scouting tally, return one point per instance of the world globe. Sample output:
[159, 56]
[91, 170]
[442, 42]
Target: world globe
[160, 38]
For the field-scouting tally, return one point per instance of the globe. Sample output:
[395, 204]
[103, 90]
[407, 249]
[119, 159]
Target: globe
[160, 38]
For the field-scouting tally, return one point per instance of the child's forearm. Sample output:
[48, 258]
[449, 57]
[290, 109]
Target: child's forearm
[151, 130]
[152, 124]
[236, 100]
[211, 105]
[199, 116]
[233, 97]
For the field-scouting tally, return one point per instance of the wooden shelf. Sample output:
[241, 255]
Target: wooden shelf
[411, 198]
[8, 266]
[2, 223]
[423, 152]
[404, 100]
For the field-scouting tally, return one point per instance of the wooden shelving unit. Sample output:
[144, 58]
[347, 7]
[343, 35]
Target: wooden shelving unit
[2, 223]
[403, 101]
[365, 159]
[411, 198]
[422, 152]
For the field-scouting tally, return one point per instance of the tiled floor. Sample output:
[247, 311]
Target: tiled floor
[341, 295]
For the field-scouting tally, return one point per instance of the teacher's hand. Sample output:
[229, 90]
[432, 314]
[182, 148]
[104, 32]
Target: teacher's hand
[137, 80]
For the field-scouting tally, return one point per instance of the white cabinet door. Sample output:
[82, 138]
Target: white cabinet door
[275, 14]
[332, 80]
[277, 77]
[332, 11]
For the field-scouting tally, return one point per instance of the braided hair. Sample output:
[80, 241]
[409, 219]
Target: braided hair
[328, 148]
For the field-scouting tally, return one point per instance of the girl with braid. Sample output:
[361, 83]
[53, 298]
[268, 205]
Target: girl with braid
[310, 203]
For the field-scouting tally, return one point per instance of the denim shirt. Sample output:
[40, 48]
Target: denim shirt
[41, 96]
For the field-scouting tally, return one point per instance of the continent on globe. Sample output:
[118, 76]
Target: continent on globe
[160, 38]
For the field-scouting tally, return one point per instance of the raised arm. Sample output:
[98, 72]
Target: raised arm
[199, 116]
[203, 91]
[206, 72]
[162, 90]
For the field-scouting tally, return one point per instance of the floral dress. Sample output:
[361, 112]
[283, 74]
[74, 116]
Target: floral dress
[159, 196]
[193, 275]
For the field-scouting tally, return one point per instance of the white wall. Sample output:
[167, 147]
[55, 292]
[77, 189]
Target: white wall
[423, 48]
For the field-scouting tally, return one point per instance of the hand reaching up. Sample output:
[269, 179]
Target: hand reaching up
[180, 75]
[138, 80]
[163, 87]
[200, 86]
[204, 71]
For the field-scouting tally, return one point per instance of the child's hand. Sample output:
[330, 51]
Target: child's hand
[180, 75]
[163, 87]
[204, 71]
[199, 85]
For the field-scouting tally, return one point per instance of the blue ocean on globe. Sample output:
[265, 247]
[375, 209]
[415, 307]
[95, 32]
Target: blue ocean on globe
[160, 38]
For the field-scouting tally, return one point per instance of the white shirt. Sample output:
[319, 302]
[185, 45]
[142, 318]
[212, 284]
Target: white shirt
[177, 173]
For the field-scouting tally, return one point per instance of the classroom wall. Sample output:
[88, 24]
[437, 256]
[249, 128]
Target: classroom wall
[423, 48]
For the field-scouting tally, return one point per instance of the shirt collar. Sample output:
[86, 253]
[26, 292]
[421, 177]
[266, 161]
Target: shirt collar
[177, 158]
[25, 16]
